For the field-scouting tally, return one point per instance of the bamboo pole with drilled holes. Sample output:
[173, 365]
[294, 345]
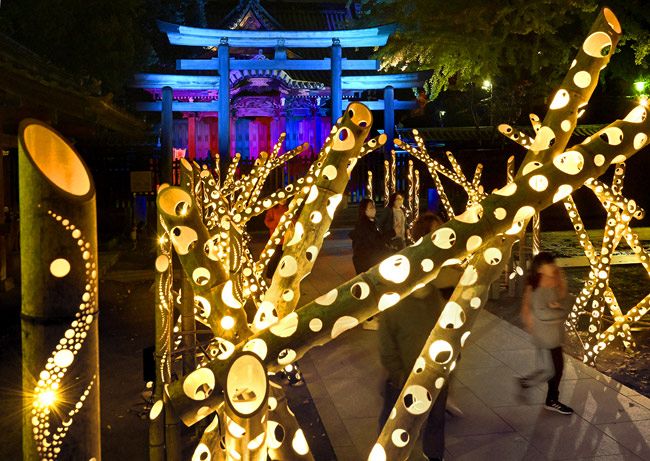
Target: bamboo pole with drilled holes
[59, 310]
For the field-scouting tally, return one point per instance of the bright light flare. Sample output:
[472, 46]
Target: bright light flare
[46, 398]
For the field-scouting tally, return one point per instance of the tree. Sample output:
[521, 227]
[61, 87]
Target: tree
[520, 46]
[98, 41]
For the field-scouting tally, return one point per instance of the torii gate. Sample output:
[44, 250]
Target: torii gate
[224, 39]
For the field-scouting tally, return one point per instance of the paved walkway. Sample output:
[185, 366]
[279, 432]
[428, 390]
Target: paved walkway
[344, 377]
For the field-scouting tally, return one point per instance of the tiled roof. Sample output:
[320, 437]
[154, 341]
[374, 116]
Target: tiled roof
[281, 15]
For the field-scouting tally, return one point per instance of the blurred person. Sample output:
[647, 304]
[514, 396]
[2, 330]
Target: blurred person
[544, 309]
[393, 226]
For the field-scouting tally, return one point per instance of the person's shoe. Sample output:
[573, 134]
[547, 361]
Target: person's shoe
[561, 408]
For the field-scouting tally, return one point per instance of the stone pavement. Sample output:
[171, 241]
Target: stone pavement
[344, 377]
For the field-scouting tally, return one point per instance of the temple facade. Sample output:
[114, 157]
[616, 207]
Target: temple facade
[284, 66]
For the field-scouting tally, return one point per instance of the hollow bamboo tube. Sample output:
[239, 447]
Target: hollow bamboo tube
[58, 243]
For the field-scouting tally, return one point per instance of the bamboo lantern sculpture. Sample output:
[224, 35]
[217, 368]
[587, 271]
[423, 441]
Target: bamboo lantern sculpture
[58, 242]
[596, 294]
[482, 236]
[203, 220]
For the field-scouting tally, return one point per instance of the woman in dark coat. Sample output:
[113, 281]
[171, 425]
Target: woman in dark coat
[368, 245]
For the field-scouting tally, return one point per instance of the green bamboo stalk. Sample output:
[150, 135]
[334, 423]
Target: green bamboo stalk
[163, 316]
[59, 298]
[285, 439]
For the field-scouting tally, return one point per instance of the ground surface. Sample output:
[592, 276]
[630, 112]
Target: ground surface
[126, 328]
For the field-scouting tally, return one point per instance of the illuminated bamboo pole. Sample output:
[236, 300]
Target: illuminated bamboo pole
[416, 196]
[410, 186]
[440, 351]
[229, 180]
[635, 313]
[213, 440]
[625, 207]
[203, 269]
[619, 214]
[192, 182]
[216, 172]
[58, 252]
[292, 446]
[410, 180]
[474, 191]
[515, 135]
[536, 233]
[476, 181]
[510, 177]
[553, 134]
[246, 391]
[446, 204]
[574, 92]
[535, 122]
[343, 146]
[505, 210]
[393, 168]
[387, 190]
[188, 327]
[369, 185]
[599, 277]
[162, 349]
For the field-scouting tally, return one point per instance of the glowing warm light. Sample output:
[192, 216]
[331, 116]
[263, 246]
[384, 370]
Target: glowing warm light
[227, 322]
[395, 268]
[46, 398]
[643, 100]
[60, 267]
[639, 86]
[377, 453]
[487, 85]
[299, 443]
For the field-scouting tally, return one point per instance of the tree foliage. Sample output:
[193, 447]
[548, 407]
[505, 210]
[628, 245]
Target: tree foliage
[102, 42]
[520, 45]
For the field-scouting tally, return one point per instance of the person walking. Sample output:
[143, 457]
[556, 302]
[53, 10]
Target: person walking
[403, 331]
[393, 226]
[545, 307]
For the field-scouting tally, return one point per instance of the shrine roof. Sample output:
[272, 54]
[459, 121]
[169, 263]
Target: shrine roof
[35, 83]
[349, 38]
[279, 15]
